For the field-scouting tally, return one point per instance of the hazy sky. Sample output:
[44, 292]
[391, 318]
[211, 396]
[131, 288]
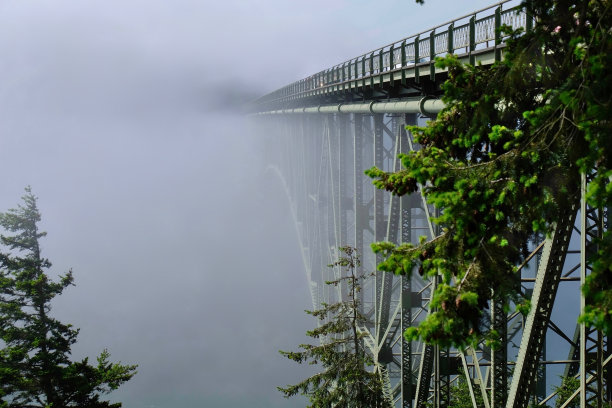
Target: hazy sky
[182, 246]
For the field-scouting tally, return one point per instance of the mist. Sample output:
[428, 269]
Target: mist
[126, 120]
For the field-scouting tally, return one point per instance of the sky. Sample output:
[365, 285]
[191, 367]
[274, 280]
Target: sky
[124, 117]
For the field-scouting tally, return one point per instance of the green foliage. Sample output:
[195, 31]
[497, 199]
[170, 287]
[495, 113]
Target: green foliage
[344, 380]
[35, 368]
[503, 162]
[568, 386]
[460, 395]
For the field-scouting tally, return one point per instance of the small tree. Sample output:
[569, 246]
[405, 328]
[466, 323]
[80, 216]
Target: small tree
[344, 380]
[568, 386]
[35, 368]
[460, 395]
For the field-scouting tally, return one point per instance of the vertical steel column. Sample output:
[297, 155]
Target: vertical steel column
[369, 259]
[335, 205]
[407, 386]
[428, 355]
[607, 374]
[406, 367]
[499, 357]
[309, 225]
[359, 209]
[315, 133]
[592, 346]
[379, 217]
[328, 236]
[391, 235]
[583, 332]
[344, 150]
[444, 369]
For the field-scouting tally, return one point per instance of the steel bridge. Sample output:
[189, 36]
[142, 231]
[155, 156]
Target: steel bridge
[323, 131]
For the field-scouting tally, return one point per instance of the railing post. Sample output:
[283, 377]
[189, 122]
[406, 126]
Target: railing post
[372, 70]
[472, 38]
[432, 55]
[391, 65]
[403, 62]
[497, 34]
[416, 59]
[363, 73]
[336, 74]
[451, 45]
[380, 67]
[528, 22]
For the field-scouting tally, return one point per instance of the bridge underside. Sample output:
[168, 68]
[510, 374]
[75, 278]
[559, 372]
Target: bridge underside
[321, 159]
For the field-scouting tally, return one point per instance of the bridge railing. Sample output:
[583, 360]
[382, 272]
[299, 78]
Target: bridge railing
[465, 35]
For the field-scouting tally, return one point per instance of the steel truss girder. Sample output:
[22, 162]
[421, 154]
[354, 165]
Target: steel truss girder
[321, 159]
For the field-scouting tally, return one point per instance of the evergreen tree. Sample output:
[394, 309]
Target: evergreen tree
[344, 381]
[568, 386]
[35, 365]
[460, 395]
[504, 160]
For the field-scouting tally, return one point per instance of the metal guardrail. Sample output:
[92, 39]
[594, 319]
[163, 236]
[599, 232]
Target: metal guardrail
[464, 35]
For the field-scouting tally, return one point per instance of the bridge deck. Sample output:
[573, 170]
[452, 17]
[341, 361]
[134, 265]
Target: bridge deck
[405, 68]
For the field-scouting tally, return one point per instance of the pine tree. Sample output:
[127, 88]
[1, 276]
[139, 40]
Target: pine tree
[345, 380]
[568, 386]
[460, 395]
[35, 365]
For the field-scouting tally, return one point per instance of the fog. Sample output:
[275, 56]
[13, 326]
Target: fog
[125, 118]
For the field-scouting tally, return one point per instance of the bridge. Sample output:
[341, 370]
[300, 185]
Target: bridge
[323, 131]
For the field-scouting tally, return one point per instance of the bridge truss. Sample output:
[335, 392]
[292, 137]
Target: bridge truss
[320, 152]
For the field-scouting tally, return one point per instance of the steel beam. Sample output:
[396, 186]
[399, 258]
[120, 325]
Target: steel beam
[424, 106]
[499, 357]
[547, 281]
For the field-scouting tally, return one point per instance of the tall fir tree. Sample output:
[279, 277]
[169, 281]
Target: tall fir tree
[35, 365]
[344, 381]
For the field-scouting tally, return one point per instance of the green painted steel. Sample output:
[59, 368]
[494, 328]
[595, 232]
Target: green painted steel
[547, 282]
[425, 106]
